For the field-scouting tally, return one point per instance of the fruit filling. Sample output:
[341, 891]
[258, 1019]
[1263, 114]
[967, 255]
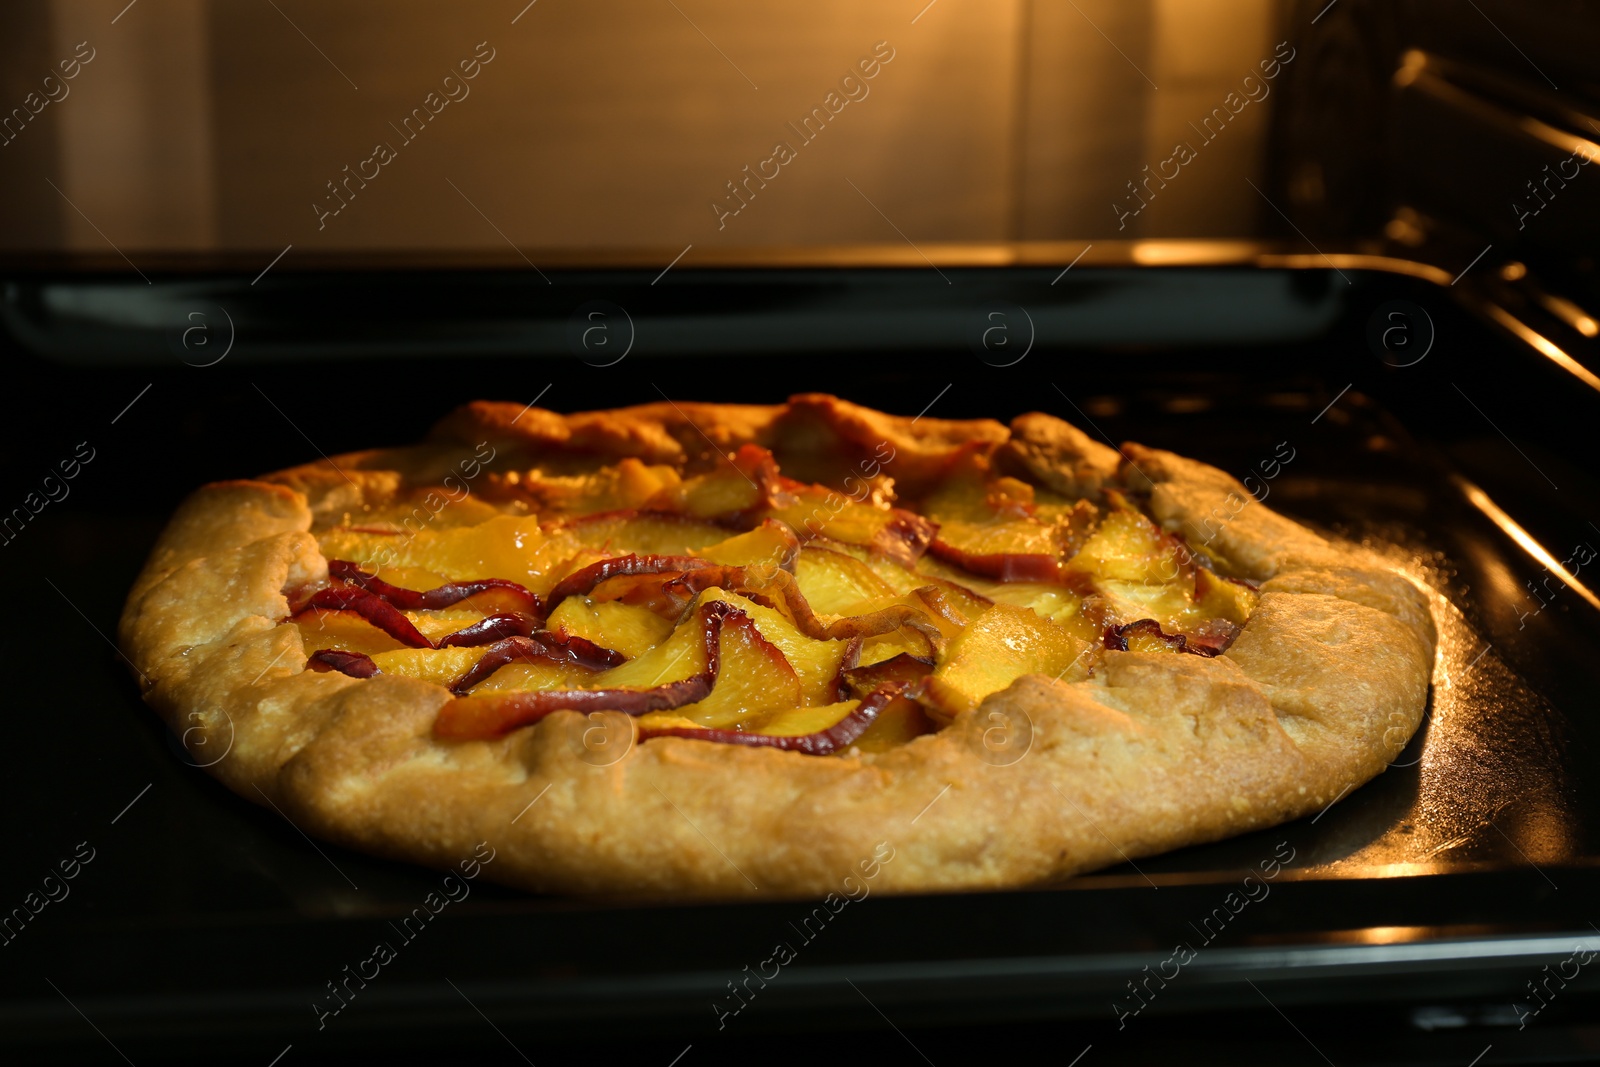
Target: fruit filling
[742, 607]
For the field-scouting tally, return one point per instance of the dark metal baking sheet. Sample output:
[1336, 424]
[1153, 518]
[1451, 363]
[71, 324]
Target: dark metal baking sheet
[206, 926]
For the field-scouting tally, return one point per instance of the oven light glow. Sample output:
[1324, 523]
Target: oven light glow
[1389, 935]
[1569, 313]
[1526, 542]
[1544, 345]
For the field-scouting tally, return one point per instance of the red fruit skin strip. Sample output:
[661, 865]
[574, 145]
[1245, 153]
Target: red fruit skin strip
[381, 604]
[579, 651]
[497, 655]
[840, 735]
[583, 581]
[848, 662]
[490, 715]
[355, 664]
[376, 610]
[491, 628]
[569, 649]
[1004, 567]
[432, 599]
[1116, 637]
[905, 669]
[1213, 638]
[905, 538]
[1207, 645]
[546, 647]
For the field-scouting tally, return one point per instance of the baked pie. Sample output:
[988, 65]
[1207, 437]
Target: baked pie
[725, 650]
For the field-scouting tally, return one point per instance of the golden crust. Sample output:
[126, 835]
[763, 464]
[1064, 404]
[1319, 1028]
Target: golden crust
[228, 514]
[1059, 455]
[815, 437]
[1325, 683]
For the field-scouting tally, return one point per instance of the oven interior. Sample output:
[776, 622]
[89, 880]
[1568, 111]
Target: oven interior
[1422, 344]
[1434, 889]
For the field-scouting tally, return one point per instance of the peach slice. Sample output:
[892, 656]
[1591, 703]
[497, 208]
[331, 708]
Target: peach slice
[653, 723]
[343, 630]
[483, 594]
[437, 625]
[627, 484]
[1168, 604]
[754, 678]
[815, 658]
[1223, 598]
[837, 584]
[437, 507]
[856, 718]
[1145, 635]
[503, 547]
[748, 480]
[485, 715]
[1074, 521]
[890, 532]
[952, 600]
[819, 514]
[815, 662]
[921, 622]
[899, 577]
[796, 722]
[964, 493]
[452, 628]
[1009, 496]
[1009, 550]
[523, 675]
[904, 538]
[630, 629]
[771, 544]
[710, 497]
[439, 665]
[620, 576]
[1001, 645]
[544, 647]
[1128, 547]
[681, 655]
[620, 533]
[901, 720]
[1060, 605]
[905, 669]
[887, 646]
[878, 617]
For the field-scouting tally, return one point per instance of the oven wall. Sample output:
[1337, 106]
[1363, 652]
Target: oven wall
[619, 123]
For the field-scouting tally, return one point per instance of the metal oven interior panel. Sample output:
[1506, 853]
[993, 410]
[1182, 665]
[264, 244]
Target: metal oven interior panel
[1426, 901]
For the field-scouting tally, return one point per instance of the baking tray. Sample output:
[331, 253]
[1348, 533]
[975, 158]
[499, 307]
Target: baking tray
[1424, 903]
